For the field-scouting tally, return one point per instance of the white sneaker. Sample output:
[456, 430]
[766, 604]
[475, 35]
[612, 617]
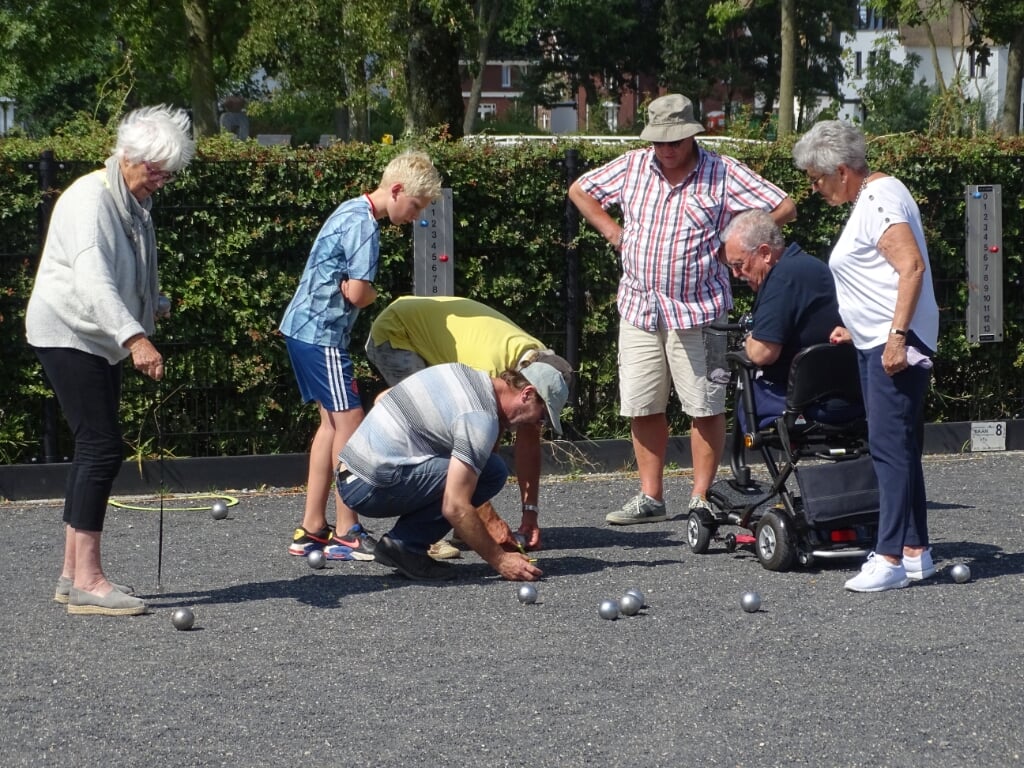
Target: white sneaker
[920, 567]
[878, 575]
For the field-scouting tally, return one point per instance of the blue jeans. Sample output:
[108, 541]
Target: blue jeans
[895, 411]
[416, 497]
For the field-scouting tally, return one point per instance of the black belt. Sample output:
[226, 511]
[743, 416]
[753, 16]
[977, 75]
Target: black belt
[344, 474]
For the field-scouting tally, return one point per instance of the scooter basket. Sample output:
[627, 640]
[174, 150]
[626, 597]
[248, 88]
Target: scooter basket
[838, 492]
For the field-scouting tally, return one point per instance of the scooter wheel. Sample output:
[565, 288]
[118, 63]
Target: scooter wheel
[698, 533]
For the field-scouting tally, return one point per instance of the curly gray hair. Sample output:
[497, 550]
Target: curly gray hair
[828, 145]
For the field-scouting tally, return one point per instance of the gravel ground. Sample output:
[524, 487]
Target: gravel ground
[353, 665]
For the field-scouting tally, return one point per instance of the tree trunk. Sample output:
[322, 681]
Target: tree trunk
[1009, 120]
[787, 67]
[940, 81]
[486, 24]
[201, 75]
[434, 87]
[476, 85]
[356, 93]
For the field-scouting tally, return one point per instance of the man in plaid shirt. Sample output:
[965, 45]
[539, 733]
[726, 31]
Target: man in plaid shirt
[675, 198]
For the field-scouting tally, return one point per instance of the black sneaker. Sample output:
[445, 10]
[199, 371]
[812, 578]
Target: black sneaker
[356, 544]
[412, 565]
[304, 542]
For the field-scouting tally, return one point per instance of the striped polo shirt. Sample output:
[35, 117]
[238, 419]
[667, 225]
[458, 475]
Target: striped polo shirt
[671, 276]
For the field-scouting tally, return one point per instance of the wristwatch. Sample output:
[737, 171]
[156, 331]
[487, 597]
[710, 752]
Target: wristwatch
[897, 332]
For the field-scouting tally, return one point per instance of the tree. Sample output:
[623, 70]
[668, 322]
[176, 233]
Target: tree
[1002, 22]
[203, 81]
[787, 69]
[487, 14]
[64, 57]
[602, 45]
[163, 70]
[335, 54]
[347, 53]
[745, 58]
[999, 21]
[893, 102]
[1009, 120]
[724, 13]
[432, 79]
[56, 55]
[690, 54]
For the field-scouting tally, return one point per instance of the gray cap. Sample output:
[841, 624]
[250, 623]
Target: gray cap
[551, 387]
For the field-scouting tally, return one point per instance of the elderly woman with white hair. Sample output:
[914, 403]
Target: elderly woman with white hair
[887, 302]
[94, 303]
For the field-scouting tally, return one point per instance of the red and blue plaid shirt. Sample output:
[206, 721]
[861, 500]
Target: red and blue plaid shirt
[671, 275]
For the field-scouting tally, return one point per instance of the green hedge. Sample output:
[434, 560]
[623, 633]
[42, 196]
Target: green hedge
[235, 228]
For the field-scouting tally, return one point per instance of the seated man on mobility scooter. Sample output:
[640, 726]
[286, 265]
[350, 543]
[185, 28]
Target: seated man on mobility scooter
[795, 306]
[802, 397]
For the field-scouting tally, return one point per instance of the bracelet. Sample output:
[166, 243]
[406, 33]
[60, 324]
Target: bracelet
[530, 508]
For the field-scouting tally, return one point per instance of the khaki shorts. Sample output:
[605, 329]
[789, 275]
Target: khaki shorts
[652, 362]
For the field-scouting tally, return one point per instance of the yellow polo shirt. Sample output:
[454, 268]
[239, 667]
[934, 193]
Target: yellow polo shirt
[451, 329]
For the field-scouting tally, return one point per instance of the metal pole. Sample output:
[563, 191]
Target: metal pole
[160, 462]
[48, 198]
[572, 273]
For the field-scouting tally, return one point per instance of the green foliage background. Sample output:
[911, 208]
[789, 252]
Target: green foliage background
[235, 229]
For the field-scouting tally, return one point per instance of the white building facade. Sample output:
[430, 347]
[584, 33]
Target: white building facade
[949, 56]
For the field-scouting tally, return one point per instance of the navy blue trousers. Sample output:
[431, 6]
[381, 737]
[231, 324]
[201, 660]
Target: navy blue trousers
[895, 413]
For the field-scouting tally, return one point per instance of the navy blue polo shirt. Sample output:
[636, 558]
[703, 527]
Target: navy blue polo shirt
[795, 307]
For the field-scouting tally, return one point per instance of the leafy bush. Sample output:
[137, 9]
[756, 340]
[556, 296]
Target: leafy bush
[235, 229]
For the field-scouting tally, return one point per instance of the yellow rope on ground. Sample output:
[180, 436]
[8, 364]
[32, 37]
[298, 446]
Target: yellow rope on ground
[229, 500]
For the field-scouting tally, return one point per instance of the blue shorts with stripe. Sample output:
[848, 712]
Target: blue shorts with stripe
[325, 375]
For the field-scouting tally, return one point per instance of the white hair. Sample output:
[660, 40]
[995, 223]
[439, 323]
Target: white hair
[159, 134]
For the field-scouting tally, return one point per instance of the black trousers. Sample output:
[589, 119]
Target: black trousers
[88, 389]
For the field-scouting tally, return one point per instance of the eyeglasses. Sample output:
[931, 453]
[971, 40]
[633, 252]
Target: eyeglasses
[165, 177]
[669, 144]
[817, 180]
[737, 265]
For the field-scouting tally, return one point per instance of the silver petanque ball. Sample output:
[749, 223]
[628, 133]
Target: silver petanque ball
[163, 306]
[751, 602]
[638, 595]
[609, 609]
[219, 510]
[183, 619]
[520, 540]
[629, 604]
[527, 594]
[960, 573]
[315, 559]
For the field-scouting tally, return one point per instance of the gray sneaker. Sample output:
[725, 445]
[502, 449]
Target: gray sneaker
[640, 509]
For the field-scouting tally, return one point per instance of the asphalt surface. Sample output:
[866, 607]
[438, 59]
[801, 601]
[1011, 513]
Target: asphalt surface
[354, 665]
